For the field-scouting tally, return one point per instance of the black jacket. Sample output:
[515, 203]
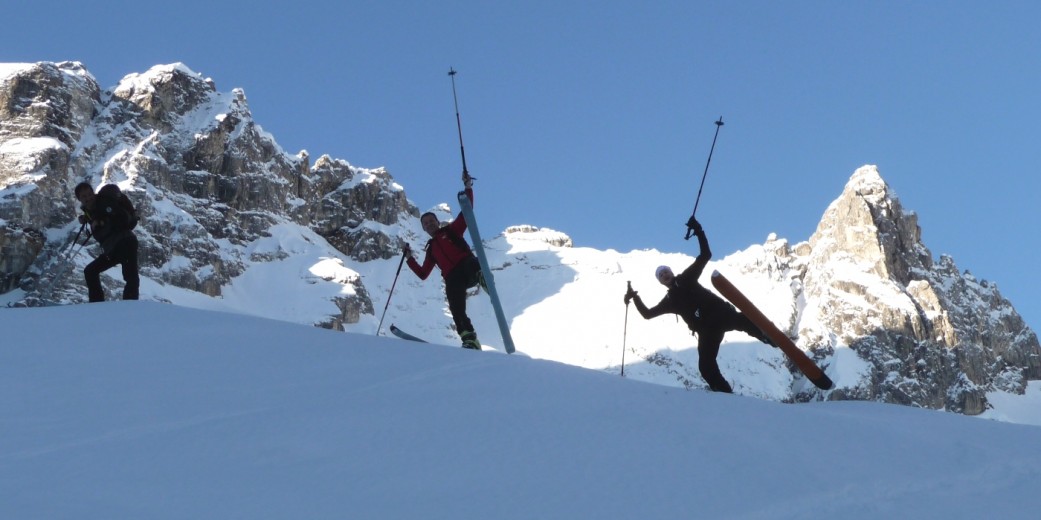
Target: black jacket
[109, 222]
[699, 307]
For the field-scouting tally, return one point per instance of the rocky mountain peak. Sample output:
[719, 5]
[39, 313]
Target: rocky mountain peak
[164, 92]
[46, 100]
[867, 229]
[871, 284]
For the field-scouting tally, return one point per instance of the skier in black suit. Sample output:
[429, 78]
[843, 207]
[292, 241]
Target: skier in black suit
[708, 316]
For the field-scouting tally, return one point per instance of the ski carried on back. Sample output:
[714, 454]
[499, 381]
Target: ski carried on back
[805, 364]
[482, 258]
[404, 335]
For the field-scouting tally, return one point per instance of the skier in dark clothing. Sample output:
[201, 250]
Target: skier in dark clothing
[110, 225]
[449, 252]
[707, 315]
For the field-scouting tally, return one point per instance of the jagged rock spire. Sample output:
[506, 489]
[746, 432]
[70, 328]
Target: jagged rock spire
[868, 227]
[871, 285]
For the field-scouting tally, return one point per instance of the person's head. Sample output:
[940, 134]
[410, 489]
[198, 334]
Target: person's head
[84, 193]
[430, 223]
[664, 275]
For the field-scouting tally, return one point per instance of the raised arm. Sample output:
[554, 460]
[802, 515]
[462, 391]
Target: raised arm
[694, 271]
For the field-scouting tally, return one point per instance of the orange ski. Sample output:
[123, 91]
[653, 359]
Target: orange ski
[805, 364]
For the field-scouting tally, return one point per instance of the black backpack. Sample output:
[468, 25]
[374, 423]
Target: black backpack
[112, 192]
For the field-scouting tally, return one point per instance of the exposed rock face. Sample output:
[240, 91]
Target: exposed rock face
[936, 338]
[205, 178]
[543, 235]
[354, 206]
[45, 109]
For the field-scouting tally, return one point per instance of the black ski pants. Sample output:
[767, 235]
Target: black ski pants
[708, 348]
[125, 255]
[463, 277]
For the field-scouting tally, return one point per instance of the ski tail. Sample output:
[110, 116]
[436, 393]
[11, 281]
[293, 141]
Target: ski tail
[782, 341]
[404, 335]
[482, 258]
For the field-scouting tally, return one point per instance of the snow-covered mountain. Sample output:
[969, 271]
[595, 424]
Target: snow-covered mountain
[230, 221]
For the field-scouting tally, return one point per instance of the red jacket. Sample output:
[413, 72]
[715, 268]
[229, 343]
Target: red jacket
[443, 249]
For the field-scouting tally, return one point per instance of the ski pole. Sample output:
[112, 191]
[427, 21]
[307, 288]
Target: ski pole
[75, 241]
[459, 124]
[65, 254]
[690, 227]
[401, 263]
[625, 327]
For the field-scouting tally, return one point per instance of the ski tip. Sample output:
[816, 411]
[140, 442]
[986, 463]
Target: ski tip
[823, 382]
[715, 273]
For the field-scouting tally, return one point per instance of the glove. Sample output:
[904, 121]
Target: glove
[695, 226]
[629, 295]
[468, 181]
[406, 250]
[83, 219]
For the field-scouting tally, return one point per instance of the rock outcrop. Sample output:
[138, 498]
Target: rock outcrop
[936, 338]
[204, 176]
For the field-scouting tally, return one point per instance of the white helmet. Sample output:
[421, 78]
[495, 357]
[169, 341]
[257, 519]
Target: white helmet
[662, 269]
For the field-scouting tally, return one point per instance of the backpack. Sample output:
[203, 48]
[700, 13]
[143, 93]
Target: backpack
[112, 192]
[458, 240]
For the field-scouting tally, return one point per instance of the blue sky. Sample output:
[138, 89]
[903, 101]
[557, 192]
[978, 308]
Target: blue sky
[595, 118]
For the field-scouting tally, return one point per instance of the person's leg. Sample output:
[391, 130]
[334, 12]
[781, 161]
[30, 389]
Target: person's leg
[742, 323]
[126, 255]
[128, 261]
[455, 291]
[708, 349]
[92, 275]
[476, 277]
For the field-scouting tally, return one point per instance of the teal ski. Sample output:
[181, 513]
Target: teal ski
[478, 246]
[404, 335]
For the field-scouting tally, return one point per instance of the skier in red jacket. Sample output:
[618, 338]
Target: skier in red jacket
[449, 252]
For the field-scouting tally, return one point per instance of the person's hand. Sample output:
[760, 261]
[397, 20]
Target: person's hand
[468, 181]
[629, 294]
[82, 219]
[695, 226]
[406, 250]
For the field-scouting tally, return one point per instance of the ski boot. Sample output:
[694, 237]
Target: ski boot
[469, 338]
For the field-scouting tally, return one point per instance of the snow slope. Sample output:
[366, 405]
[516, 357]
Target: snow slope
[147, 410]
